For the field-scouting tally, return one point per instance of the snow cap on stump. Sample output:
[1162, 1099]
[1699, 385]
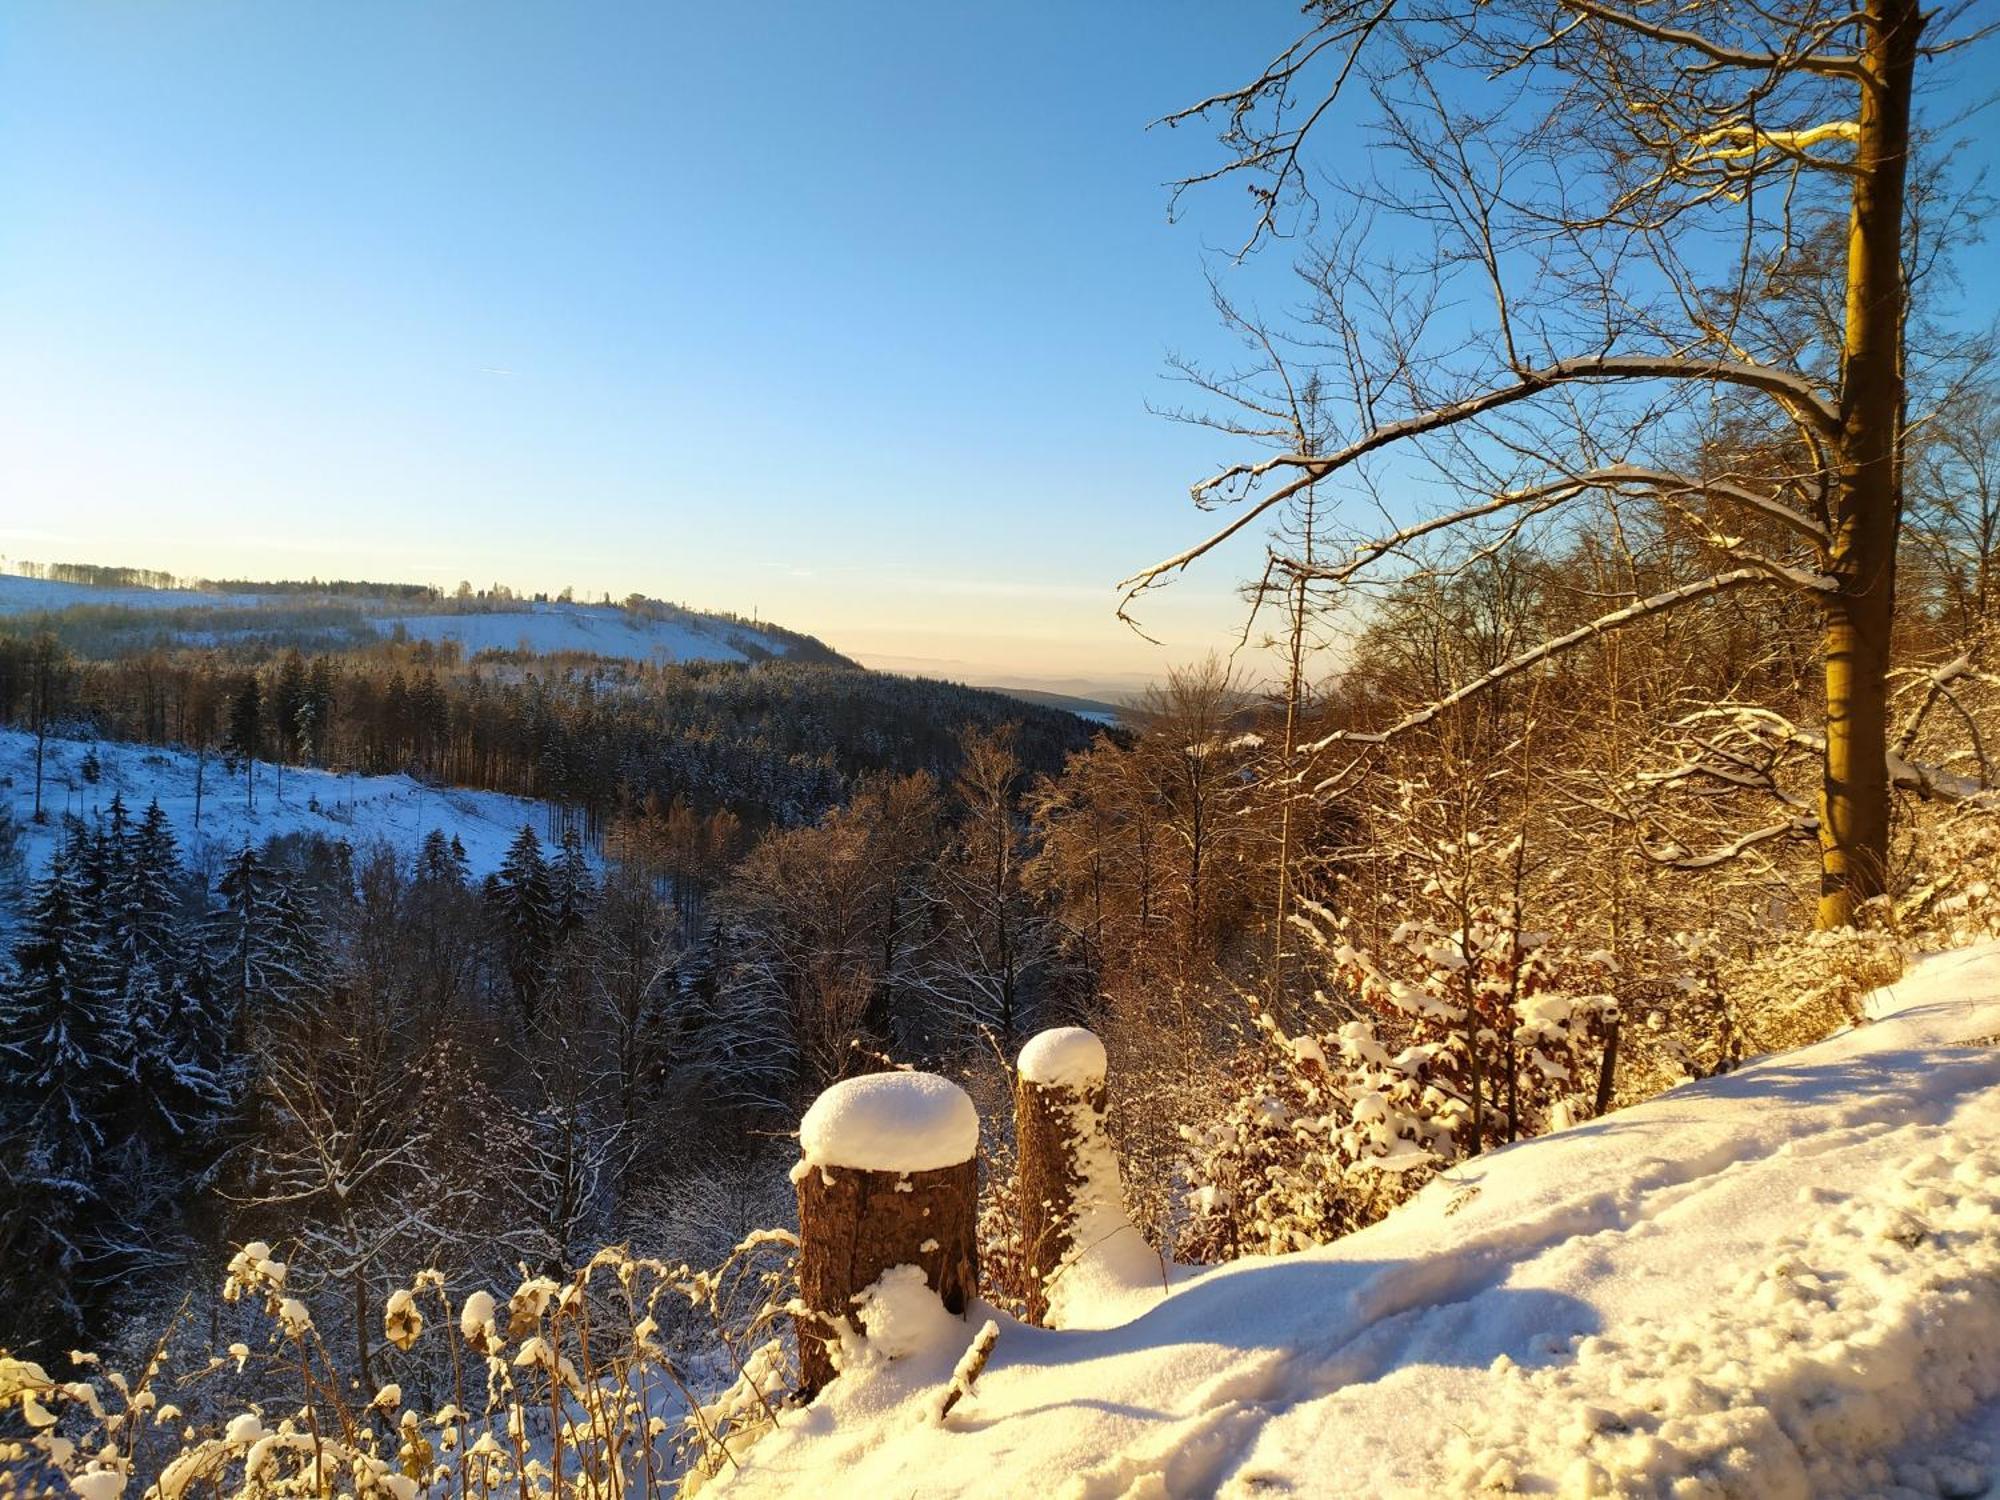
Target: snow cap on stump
[1067, 1057]
[891, 1122]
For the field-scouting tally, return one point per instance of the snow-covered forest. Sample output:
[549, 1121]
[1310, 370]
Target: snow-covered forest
[1521, 1017]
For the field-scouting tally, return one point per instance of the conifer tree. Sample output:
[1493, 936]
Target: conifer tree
[573, 890]
[246, 730]
[521, 901]
[66, 1065]
[266, 943]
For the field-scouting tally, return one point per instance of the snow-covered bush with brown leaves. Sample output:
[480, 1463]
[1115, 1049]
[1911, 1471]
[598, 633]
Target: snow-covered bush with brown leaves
[1464, 1029]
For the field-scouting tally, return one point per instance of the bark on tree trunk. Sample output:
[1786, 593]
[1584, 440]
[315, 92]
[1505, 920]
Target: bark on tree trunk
[1855, 801]
[854, 1225]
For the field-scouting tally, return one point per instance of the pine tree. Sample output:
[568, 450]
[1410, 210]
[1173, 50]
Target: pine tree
[521, 901]
[435, 865]
[270, 956]
[573, 889]
[246, 732]
[65, 1034]
[317, 713]
[145, 894]
[66, 1068]
[290, 702]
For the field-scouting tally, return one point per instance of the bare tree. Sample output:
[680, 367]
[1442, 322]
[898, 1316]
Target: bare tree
[1637, 194]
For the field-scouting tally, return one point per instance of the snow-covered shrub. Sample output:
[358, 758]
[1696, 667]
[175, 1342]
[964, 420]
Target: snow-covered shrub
[1802, 988]
[1317, 1137]
[1465, 1029]
[1952, 894]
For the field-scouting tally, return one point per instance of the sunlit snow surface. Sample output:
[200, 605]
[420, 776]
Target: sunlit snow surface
[596, 629]
[890, 1122]
[364, 810]
[1782, 1283]
[546, 627]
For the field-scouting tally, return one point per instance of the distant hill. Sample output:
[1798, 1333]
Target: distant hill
[649, 632]
[1097, 711]
[102, 618]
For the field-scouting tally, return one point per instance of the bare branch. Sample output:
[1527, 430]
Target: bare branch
[1618, 619]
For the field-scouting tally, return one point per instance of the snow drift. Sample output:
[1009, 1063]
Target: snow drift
[1784, 1282]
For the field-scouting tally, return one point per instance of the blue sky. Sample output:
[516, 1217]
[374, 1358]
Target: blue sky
[846, 315]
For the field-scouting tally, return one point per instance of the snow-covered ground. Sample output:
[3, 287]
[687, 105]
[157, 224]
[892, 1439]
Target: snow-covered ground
[600, 629]
[20, 596]
[1782, 1283]
[362, 809]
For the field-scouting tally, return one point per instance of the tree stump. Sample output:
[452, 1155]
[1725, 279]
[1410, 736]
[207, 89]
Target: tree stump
[1062, 1150]
[888, 1176]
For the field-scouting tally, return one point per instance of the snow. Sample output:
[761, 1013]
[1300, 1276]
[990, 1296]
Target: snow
[599, 629]
[364, 810]
[667, 634]
[891, 1122]
[475, 1318]
[1109, 1274]
[1066, 1057]
[20, 596]
[1784, 1282]
[899, 1315]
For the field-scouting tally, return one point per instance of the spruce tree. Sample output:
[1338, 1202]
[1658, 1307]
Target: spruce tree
[521, 902]
[573, 889]
[66, 1069]
[435, 865]
[269, 954]
[246, 732]
[144, 894]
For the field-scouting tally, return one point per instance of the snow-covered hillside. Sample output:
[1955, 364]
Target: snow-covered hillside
[19, 596]
[600, 629]
[1782, 1283]
[659, 633]
[362, 809]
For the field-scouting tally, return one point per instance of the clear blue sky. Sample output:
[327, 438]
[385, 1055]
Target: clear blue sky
[845, 314]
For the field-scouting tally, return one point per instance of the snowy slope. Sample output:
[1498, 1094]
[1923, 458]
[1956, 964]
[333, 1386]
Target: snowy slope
[361, 809]
[600, 629]
[1782, 1283]
[30, 595]
[670, 635]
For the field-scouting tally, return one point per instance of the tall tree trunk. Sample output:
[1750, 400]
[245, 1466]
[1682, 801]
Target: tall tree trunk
[1854, 818]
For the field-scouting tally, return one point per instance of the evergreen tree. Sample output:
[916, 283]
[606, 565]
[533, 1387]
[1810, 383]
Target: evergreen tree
[145, 894]
[573, 888]
[435, 865]
[66, 1067]
[265, 942]
[65, 1033]
[317, 712]
[246, 732]
[521, 902]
